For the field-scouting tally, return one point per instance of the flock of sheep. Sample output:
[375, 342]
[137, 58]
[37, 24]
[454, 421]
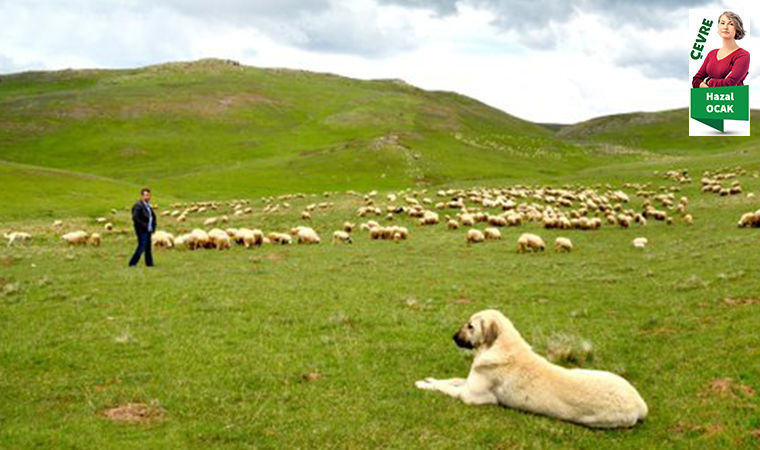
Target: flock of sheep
[566, 208]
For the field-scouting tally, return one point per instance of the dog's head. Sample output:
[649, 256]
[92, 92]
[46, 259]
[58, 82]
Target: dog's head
[483, 329]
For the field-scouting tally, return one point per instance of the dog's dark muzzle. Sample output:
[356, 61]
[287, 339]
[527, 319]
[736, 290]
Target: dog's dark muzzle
[460, 340]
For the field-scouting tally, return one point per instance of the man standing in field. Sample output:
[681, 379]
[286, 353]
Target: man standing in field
[145, 223]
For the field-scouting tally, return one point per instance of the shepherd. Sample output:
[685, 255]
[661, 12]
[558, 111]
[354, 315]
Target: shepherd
[145, 223]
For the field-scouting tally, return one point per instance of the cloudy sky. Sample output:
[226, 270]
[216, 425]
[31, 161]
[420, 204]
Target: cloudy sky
[542, 60]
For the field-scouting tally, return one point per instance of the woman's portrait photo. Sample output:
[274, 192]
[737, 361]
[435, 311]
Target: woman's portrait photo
[729, 64]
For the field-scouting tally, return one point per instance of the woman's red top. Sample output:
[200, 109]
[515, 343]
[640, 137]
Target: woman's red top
[737, 63]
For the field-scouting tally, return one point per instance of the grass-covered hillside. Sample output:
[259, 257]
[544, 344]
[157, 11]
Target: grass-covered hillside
[665, 132]
[71, 140]
[319, 346]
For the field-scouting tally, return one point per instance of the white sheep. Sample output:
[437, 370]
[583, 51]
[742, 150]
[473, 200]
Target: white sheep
[162, 239]
[280, 238]
[429, 218]
[530, 242]
[640, 242]
[108, 226]
[341, 236]
[305, 235]
[467, 220]
[182, 240]
[750, 219]
[249, 237]
[17, 236]
[210, 221]
[75, 238]
[562, 244]
[492, 234]
[475, 236]
[399, 233]
[219, 239]
[198, 239]
[94, 239]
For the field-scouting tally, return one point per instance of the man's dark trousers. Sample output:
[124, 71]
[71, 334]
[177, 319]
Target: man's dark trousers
[143, 246]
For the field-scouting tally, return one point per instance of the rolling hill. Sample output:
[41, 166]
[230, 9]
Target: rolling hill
[76, 141]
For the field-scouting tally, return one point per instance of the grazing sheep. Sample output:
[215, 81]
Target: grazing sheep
[750, 220]
[305, 235]
[17, 236]
[219, 239]
[624, 221]
[305, 215]
[562, 244]
[399, 233]
[467, 220]
[429, 218]
[58, 224]
[376, 233]
[640, 242]
[108, 226]
[210, 221]
[94, 239]
[492, 234]
[101, 220]
[530, 242]
[75, 238]
[341, 236]
[688, 219]
[475, 236]
[198, 239]
[348, 227]
[280, 238]
[249, 237]
[162, 239]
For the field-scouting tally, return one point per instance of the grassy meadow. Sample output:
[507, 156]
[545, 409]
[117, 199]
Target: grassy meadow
[319, 346]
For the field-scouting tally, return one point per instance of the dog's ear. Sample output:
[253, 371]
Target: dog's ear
[490, 333]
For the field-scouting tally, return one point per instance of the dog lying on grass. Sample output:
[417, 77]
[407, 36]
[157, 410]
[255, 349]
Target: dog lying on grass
[506, 371]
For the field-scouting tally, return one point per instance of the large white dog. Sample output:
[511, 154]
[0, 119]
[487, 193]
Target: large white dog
[506, 371]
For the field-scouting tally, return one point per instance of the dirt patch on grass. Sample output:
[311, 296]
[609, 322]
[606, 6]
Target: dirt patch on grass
[310, 376]
[705, 430]
[134, 413]
[8, 260]
[728, 388]
[741, 301]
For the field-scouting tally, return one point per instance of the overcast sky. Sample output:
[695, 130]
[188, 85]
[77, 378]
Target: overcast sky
[542, 60]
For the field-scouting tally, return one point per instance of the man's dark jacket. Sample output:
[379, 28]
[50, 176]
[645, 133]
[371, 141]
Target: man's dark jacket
[140, 217]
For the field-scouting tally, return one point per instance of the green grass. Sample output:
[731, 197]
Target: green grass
[221, 340]
[664, 132]
[211, 130]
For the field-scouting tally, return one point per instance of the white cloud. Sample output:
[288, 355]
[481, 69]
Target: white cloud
[587, 66]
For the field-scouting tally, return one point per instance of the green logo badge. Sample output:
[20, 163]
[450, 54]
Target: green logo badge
[712, 106]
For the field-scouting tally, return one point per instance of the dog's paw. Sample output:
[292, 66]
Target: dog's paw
[426, 384]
